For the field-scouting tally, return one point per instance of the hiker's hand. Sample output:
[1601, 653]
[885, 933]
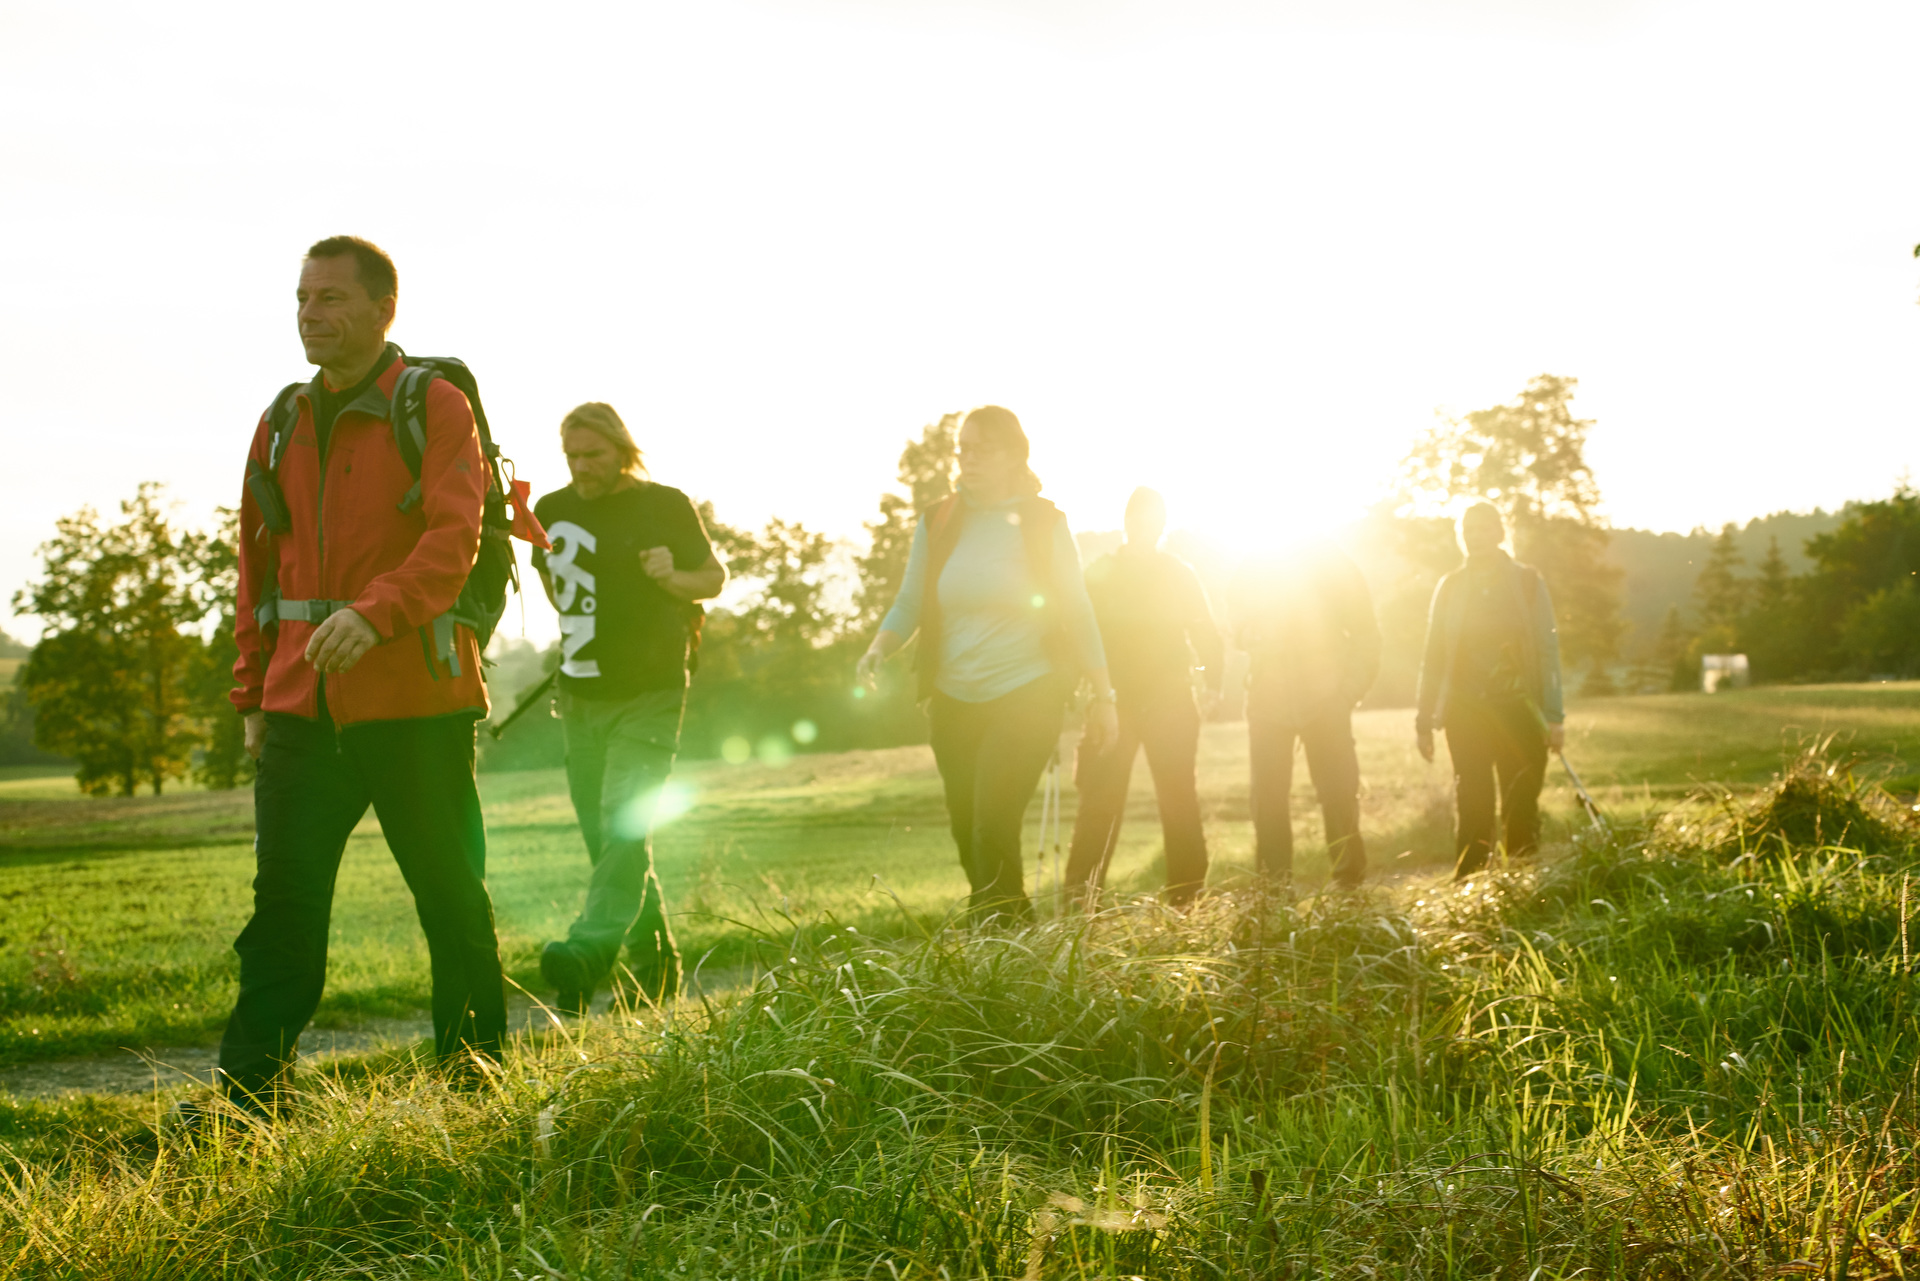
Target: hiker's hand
[1103, 724]
[1423, 741]
[867, 671]
[339, 642]
[254, 727]
[658, 562]
[1556, 737]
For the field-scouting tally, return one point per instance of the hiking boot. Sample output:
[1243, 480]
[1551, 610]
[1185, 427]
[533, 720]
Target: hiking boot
[561, 966]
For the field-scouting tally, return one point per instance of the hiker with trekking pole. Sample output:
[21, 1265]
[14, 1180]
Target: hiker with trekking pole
[373, 567]
[629, 565]
[1006, 635]
[1490, 679]
[1154, 622]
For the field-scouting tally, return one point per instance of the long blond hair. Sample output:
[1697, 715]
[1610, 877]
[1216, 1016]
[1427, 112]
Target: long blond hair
[1001, 427]
[599, 418]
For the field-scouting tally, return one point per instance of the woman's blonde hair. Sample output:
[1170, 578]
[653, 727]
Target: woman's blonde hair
[599, 418]
[1001, 428]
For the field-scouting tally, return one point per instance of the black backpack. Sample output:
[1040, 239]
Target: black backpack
[483, 599]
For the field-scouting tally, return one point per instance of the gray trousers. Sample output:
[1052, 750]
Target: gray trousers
[619, 753]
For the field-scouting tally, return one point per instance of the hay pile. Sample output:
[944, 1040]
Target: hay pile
[1819, 801]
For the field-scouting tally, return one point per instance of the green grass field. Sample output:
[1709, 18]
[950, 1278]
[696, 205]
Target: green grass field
[1651, 1057]
[116, 915]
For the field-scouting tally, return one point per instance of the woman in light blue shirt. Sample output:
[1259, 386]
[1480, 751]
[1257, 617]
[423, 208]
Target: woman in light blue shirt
[993, 588]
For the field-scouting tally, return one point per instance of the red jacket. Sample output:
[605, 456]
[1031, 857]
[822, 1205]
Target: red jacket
[400, 570]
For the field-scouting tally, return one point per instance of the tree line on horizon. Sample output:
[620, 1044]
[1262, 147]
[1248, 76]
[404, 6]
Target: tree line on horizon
[130, 677]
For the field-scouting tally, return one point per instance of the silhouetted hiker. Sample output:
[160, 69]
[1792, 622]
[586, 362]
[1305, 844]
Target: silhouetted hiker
[1153, 621]
[1306, 621]
[1490, 678]
[357, 687]
[993, 587]
[630, 557]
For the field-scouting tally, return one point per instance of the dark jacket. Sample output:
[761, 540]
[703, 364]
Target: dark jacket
[1539, 656]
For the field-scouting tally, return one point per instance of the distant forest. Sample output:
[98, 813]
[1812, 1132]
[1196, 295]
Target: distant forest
[1660, 569]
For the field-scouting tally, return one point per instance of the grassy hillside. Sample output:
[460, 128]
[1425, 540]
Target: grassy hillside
[1685, 1050]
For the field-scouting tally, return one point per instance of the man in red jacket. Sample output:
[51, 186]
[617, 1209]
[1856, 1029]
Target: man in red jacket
[348, 700]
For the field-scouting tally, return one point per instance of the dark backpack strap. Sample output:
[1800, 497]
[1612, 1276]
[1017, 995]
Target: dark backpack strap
[409, 418]
[283, 415]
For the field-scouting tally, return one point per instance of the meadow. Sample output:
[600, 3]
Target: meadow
[1686, 1048]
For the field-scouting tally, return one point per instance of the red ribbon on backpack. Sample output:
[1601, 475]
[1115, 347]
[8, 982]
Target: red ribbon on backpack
[526, 525]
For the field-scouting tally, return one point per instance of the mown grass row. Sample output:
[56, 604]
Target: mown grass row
[1677, 1053]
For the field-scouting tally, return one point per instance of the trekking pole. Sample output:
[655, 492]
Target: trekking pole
[1056, 828]
[533, 696]
[1046, 805]
[1580, 789]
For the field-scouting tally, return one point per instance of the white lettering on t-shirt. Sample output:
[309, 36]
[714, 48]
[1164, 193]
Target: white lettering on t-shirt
[573, 584]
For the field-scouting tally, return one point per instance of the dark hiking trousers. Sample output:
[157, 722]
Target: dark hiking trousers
[619, 754]
[1335, 769]
[313, 787]
[1488, 741]
[1168, 727]
[991, 756]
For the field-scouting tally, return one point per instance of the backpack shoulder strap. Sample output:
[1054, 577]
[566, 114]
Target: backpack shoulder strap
[409, 418]
[283, 415]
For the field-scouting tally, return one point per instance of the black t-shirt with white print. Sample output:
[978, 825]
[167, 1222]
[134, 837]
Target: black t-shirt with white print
[621, 633]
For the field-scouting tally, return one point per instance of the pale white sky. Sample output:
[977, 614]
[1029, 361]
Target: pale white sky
[1238, 251]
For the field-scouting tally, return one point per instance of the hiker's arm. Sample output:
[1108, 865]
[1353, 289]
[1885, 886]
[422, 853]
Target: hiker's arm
[685, 565]
[256, 551]
[1083, 633]
[1363, 632]
[453, 486]
[903, 619]
[1553, 701]
[1203, 633]
[703, 583]
[1432, 658]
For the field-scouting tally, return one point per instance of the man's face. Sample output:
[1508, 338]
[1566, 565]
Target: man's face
[592, 459]
[342, 326]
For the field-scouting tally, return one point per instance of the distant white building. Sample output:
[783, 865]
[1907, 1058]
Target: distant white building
[1723, 671]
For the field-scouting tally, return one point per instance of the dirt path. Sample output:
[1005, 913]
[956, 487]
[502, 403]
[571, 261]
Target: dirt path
[144, 1071]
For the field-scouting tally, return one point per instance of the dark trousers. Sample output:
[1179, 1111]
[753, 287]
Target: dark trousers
[1488, 740]
[1168, 726]
[991, 756]
[1335, 769]
[313, 787]
[619, 754]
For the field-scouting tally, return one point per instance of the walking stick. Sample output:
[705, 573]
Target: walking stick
[534, 695]
[1580, 789]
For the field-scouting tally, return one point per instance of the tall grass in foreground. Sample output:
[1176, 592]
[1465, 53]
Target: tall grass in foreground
[1687, 1052]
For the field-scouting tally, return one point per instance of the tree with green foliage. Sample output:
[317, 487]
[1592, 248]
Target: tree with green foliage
[1853, 599]
[926, 472]
[1720, 595]
[1773, 627]
[114, 677]
[1528, 458]
[223, 762]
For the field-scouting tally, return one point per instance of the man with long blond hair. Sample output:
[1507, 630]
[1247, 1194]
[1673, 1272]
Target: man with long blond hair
[630, 558]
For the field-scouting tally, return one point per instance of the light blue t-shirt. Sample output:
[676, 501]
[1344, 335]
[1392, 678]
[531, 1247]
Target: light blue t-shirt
[992, 627]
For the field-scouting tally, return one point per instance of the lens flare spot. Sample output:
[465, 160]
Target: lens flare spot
[736, 751]
[775, 749]
[805, 732]
[651, 811]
